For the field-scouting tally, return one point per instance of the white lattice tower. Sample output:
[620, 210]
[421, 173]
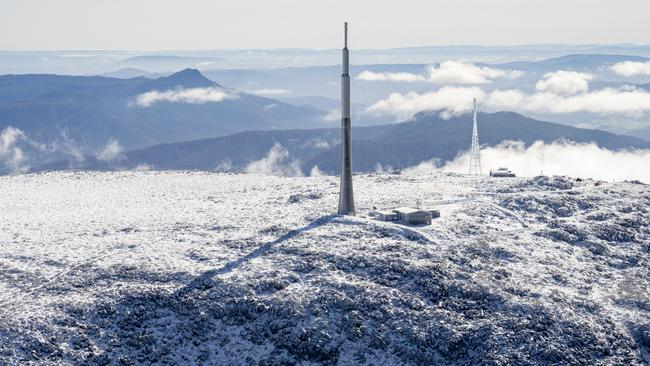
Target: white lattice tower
[475, 153]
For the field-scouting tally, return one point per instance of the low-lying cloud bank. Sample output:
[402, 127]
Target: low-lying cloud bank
[632, 68]
[564, 83]
[20, 153]
[448, 100]
[557, 158]
[625, 101]
[269, 92]
[448, 72]
[188, 96]
[560, 92]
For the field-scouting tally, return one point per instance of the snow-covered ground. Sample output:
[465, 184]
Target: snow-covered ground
[206, 268]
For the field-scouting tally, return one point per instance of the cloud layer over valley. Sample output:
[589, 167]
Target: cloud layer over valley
[632, 68]
[189, 96]
[21, 152]
[560, 92]
[449, 100]
[448, 72]
[266, 92]
[564, 83]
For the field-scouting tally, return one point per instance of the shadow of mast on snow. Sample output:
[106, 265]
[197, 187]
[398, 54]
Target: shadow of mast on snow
[199, 281]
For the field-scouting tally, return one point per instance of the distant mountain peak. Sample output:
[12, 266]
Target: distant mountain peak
[188, 73]
[191, 78]
[187, 78]
[127, 73]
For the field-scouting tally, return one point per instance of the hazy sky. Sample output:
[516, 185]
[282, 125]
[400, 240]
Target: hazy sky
[204, 24]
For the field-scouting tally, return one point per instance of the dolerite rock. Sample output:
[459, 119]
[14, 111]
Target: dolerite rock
[300, 197]
[643, 335]
[435, 319]
[548, 278]
[540, 183]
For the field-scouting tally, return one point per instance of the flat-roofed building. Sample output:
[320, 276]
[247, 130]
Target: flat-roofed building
[406, 215]
[413, 216]
[386, 216]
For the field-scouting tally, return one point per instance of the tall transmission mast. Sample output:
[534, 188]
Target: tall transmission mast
[346, 198]
[475, 153]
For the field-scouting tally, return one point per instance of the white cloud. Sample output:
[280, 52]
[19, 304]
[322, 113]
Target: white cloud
[11, 155]
[423, 168]
[557, 158]
[506, 99]
[317, 143]
[112, 151]
[332, 116]
[454, 72]
[516, 74]
[448, 72]
[66, 145]
[276, 162]
[8, 138]
[190, 96]
[557, 94]
[316, 172]
[206, 63]
[448, 100]
[143, 167]
[224, 165]
[606, 101]
[564, 83]
[18, 150]
[389, 76]
[269, 92]
[632, 68]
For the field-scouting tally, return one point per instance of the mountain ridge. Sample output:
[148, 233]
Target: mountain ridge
[398, 145]
[90, 111]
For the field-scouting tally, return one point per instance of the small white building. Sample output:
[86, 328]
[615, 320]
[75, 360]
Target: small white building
[386, 216]
[407, 216]
[502, 173]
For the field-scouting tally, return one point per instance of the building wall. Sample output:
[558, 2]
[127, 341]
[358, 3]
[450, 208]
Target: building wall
[418, 218]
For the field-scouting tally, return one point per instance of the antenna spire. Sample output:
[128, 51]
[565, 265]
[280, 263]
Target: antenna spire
[346, 34]
[475, 153]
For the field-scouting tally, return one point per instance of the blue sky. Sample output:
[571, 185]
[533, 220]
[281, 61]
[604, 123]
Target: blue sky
[204, 24]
